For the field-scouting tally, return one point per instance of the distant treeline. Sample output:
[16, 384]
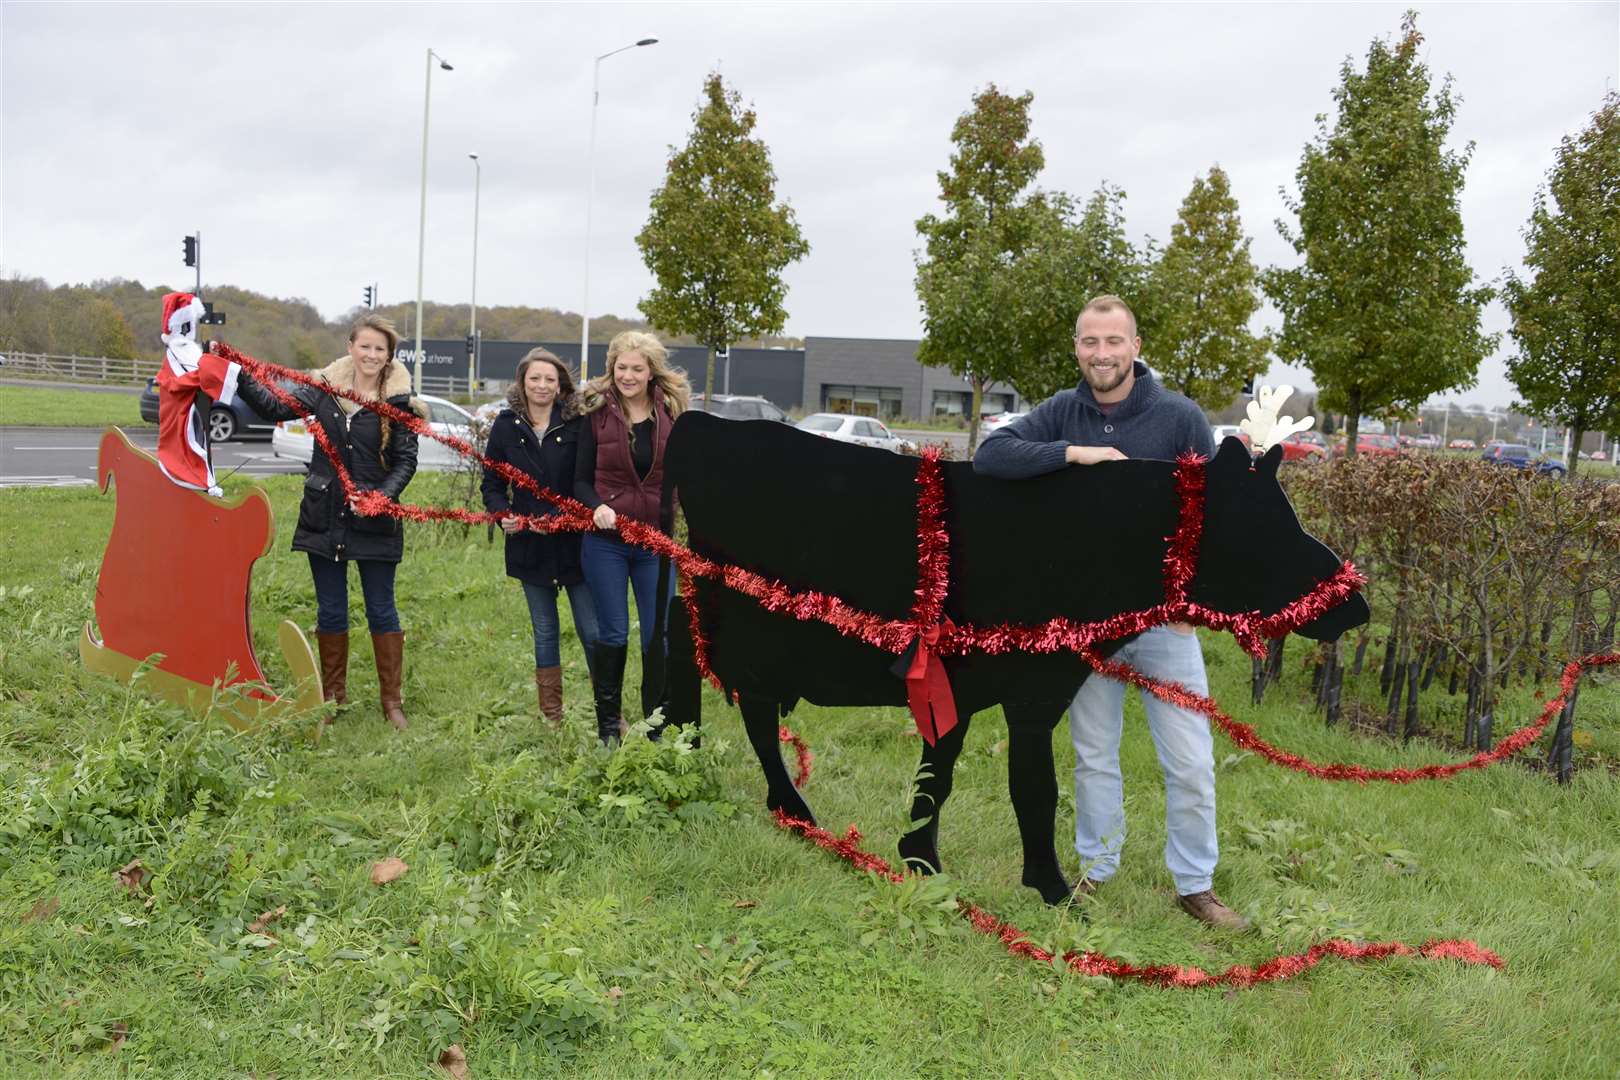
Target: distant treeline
[119, 319]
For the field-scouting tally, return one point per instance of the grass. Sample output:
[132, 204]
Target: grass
[42, 406]
[559, 918]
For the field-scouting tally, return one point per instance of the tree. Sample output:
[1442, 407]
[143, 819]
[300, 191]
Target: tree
[1206, 288]
[1076, 259]
[1566, 317]
[970, 316]
[717, 240]
[1383, 311]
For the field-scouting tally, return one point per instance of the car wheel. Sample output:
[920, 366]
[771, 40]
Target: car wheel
[221, 424]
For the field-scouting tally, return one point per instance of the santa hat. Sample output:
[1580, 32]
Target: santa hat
[180, 308]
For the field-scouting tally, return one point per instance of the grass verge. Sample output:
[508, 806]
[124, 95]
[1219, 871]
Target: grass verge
[576, 913]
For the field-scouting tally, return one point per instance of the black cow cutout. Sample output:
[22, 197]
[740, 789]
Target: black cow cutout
[1084, 543]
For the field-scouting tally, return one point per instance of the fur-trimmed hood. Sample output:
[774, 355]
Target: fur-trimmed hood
[339, 375]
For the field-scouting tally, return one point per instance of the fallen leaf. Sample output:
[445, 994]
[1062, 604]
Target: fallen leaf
[390, 869]
[996, 748]
[134, 877]
[615, 993]
[453, 1059]
[43, 909]
[265, 919]
[117, 1033]
[746, 904]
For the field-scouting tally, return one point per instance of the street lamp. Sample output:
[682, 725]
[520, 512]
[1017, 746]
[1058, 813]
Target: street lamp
[472, 332]
[590, 190]
[421, 227]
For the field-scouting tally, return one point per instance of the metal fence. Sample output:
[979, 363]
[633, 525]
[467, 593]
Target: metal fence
[105, 370]
[85, 369]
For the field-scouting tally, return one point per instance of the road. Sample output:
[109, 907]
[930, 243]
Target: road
[66, 457]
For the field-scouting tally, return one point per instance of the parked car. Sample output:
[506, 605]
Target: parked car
[996, 422]
[1600, 456]
[225, 422]
[1461, 444]
[1427, 442]
[739, 407]
[291, 438]
[1304, 445]
[1371, 446]
[1221, 432]
[1521, 456]
[861, 430]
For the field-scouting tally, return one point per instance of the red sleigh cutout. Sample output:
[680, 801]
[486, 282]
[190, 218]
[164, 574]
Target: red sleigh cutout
[175, 581]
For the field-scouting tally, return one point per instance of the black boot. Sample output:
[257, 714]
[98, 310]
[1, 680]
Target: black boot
[609, 691]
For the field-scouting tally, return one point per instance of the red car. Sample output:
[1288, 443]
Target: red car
[1372, 446]
[1304, 445]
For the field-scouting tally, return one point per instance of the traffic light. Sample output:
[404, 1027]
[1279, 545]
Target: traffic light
[371, 296]
[190, 247]
[1248, 386]
[472, 344]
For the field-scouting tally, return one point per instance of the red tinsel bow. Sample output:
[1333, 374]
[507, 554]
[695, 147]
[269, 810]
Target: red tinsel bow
[928, 686]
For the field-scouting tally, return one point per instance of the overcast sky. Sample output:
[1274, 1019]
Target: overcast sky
[290, 135]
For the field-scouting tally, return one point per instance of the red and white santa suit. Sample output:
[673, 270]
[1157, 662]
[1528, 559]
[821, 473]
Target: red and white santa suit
[186, 371]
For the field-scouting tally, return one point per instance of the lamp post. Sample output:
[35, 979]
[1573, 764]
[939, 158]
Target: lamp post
[590, 191]
[421, 226]
[472, 331]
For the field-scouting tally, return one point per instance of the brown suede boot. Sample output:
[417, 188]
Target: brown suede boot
[1207, 908]
[390, 652]
[548, 683]
[334, 650]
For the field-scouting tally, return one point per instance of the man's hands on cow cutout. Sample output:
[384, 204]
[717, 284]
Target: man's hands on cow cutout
[604, 517]
[1091, 455]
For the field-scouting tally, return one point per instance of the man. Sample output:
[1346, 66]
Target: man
[1117, 411]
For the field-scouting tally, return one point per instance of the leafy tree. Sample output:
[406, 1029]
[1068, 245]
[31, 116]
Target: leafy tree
[970, 315]
[1383, 311]
[1073, 259]
[717, 240]
[1566, 317]
[1206, 288]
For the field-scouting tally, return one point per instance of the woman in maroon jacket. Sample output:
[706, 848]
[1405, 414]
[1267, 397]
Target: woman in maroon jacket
[620, 472]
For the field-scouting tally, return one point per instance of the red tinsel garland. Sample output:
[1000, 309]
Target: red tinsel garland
[896, 635]
[1239, 976]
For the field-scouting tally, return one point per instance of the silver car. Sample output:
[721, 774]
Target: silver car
[860, 430]
[291, 438]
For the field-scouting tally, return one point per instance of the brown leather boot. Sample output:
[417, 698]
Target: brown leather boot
[334, 650]
[548, 683]
[390, 653]
[1207, 908]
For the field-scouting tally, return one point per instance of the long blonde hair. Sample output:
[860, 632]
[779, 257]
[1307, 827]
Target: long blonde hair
[670, 382]
[384, 326]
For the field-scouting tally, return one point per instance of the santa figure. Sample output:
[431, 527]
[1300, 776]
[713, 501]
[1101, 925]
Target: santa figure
[188, 373]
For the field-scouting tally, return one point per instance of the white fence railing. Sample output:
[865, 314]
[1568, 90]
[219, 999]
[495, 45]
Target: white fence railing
[101, 369]
[85, 369]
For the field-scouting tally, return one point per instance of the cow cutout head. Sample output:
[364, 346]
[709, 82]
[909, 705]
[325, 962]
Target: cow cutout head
[1254, 554]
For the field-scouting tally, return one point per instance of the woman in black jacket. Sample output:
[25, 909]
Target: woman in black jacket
[538, 432]
[381, 456]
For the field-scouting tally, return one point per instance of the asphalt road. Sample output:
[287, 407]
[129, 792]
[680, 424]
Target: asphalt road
[66, 457]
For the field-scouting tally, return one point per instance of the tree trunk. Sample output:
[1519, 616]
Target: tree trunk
[1352, 422]
[1469, 705]
[1561, 755]
[1361, 654]
[973, 418]
[1411, 720]
[1387, 672]
[1335, 686]
[1576, 435]
[708, 383]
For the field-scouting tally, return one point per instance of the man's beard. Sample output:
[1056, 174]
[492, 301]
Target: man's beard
[1104, 387]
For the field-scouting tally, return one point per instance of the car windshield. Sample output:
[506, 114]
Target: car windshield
[821, 423]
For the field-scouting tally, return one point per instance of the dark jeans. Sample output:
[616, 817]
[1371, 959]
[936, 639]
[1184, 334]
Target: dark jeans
[548, 627]
[610, 565]
[332, 594]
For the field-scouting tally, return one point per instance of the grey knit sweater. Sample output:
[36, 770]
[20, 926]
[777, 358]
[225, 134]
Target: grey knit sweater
[1151, 422]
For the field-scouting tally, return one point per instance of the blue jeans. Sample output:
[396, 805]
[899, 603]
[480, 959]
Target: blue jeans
[1186, 754]
[610, 565]
[548, 628]
[332, 594]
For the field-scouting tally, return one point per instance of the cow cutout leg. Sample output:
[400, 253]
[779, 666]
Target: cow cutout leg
[919, 848]
[760, 719]
[1032, 783]
[683, 688]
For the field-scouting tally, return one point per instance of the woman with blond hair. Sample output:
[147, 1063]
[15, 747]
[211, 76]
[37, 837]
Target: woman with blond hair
[538, 432]
[620, 473]
[380, 455]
